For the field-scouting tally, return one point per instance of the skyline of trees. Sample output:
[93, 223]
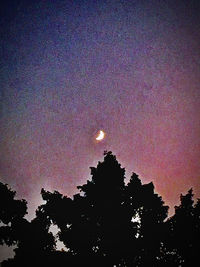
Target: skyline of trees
[108, 223]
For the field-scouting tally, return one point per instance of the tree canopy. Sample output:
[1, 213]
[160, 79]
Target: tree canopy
[110, 222]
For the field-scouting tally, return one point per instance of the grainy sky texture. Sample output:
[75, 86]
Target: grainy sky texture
[70, 68]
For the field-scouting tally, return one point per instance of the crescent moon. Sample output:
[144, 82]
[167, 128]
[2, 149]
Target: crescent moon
[100, 136]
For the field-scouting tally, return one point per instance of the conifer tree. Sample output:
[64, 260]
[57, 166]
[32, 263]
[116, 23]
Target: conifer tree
[149, 210]
[109, 223]
[104, 228]
[184, 230]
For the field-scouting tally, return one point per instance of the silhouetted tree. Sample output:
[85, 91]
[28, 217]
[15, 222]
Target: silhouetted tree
[95, 226]
[184, 230]
[105, 218]
[58, 210]
[12, 211]
[35, 242]
[148, 208]
[196, 233]
[109, 223]
[33, 239]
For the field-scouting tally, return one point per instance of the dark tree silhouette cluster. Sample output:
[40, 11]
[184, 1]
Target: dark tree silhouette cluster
[109, 223]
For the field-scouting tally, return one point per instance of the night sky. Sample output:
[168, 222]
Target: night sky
[71, 68]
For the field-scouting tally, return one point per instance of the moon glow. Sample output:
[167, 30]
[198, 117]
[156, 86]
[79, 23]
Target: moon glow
[100, 135]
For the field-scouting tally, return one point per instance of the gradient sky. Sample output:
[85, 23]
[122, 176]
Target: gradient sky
[70, 68]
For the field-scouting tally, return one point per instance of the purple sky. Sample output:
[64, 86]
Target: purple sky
[70, 68]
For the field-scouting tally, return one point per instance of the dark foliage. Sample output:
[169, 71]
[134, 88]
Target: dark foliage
[12, 211]
[184, 230]
[109, 223]
[32, 238]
